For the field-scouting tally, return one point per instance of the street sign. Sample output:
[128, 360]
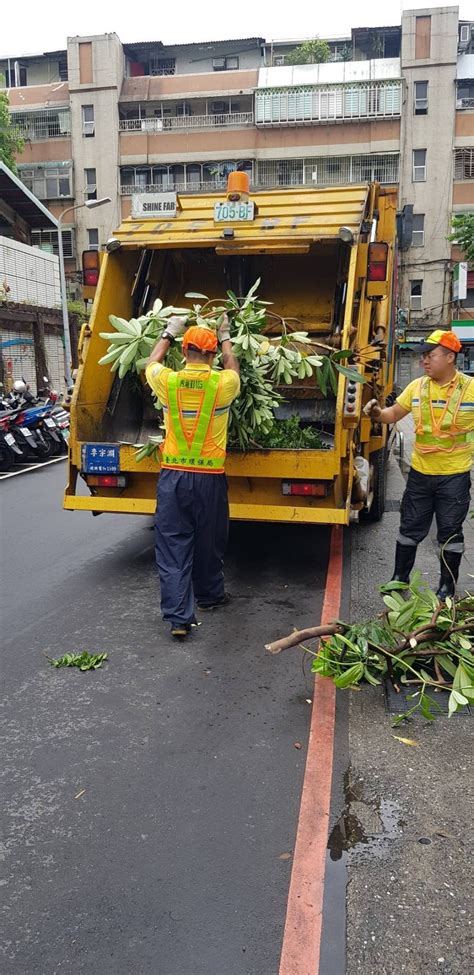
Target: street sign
[150, 206]
[460, 281]
[100, 458]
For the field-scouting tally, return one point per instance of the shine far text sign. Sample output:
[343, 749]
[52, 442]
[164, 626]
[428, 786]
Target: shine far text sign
[154, 205]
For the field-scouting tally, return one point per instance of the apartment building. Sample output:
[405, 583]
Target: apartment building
[396, 104]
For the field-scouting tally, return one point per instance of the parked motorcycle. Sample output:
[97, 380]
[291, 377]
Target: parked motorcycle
[9, 449]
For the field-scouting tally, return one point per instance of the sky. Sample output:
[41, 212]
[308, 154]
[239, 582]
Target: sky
[44, 27]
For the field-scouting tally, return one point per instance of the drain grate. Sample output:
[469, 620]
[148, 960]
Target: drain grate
[399, 703]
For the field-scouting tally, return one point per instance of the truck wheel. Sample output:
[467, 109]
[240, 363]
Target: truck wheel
[378, 464]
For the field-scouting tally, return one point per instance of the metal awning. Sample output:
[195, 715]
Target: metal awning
[20, 199]
[285, 218]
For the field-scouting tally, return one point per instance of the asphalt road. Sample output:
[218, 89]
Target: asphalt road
[149, 807]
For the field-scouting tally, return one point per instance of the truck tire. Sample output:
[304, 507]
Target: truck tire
[378, 462]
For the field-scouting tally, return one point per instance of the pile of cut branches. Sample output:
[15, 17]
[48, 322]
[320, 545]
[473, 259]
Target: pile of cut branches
[267, 362]
[416, 641]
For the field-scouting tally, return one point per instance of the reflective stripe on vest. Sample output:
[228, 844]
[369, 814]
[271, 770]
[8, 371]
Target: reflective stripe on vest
[444, 434]
[190, 454]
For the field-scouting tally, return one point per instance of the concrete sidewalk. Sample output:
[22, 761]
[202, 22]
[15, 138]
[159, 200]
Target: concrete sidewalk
[408, 811]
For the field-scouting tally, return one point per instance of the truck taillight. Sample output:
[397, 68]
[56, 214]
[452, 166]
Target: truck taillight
[106, 480]
[311, 489]
[377, 263]
[90, 268]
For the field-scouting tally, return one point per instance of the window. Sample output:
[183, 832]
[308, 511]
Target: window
[420, 92]
[162, 66]
[62, 68]
[88, 123]
[464, 164]
[418, 234]
[90, 184]
[50, 181]
[419, 165]
[464, 32]
[93, 239]
[416, 290]
[225, 64]
[48, 240]
[465, 94]
[46, 124]
[16, 77]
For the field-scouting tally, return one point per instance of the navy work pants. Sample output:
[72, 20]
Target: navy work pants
[445, 496]
[191, 529]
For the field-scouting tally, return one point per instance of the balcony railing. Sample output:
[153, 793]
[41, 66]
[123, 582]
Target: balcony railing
[281, 173]
[464, 103]
[46, 124]
[212, 186]
[229, 120]
[308, 106]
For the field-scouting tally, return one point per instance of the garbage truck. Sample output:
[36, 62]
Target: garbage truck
[326, 257]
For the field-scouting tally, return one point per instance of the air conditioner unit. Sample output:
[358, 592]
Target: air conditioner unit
[218, 64]
[421, 103]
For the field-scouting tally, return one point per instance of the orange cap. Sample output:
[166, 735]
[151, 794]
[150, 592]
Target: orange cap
[447, 339]
[202, 338]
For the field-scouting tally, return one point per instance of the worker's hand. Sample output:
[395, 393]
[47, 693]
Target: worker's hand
[373, 409]
[224, 330]
[176, 325]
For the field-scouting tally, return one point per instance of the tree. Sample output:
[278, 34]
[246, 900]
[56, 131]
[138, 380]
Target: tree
[463, 234]
[310, 52]
[10, 141]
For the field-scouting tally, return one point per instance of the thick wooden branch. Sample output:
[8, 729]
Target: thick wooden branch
[300, 636]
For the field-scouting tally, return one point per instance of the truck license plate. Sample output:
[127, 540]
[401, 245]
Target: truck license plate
[100, 458]
[234, 212]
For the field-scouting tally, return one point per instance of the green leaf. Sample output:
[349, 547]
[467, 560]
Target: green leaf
[392, 603]
[341, 354]
[393, 586]
[349, 373]
[195, 294]
[351, 676]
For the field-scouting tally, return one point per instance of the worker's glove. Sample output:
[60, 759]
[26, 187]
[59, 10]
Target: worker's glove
[176, 325]
[372, 409]
[224, 330]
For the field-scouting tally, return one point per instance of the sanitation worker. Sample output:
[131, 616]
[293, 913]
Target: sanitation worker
[191, 522]
[442, 404]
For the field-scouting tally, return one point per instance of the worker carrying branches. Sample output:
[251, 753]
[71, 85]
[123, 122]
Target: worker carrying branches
[191, 523]
[442, 404]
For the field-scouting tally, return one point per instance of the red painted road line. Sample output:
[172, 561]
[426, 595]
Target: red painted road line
[303, 925]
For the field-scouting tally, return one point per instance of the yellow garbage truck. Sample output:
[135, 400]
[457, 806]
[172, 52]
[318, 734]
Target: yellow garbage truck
[326, 257]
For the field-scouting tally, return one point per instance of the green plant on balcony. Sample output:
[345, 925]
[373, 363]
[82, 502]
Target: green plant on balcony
[310, 52]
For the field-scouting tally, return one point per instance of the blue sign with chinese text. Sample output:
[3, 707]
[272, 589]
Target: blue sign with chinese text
[100, 458]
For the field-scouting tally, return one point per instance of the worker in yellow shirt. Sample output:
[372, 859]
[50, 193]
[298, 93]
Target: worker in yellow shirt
[442, 404]
[191, 522]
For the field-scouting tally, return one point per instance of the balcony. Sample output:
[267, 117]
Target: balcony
[235, 120]
[49, 123]
[263, 173]
[464, 104]
[323, 104]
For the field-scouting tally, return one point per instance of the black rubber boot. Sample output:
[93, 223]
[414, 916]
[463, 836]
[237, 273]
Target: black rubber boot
[449, 562]
[405, 556]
